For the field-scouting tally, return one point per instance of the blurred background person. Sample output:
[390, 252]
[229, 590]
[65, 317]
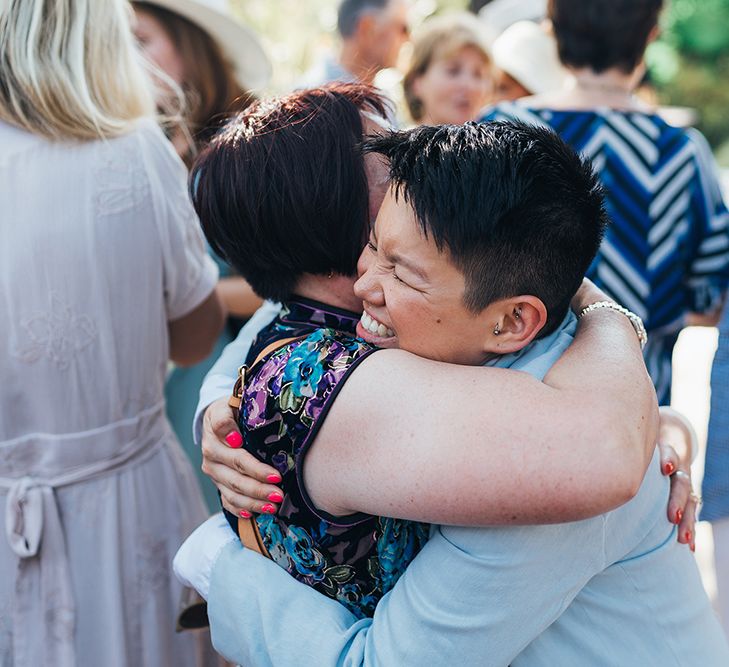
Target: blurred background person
[372, 33]
[525, 62]
[498, 15]
[217, 63]
[666, 253]
[715, 487]
[103, 276]
[449, 78]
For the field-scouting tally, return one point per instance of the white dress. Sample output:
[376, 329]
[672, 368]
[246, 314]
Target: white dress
[99, 249]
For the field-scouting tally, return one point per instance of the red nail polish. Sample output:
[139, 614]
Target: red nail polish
[245, 515]
[275, 497]
[687, 535]
[669, 468]
[274, 479]
[268, 509]
[234, 439]
[679, 516]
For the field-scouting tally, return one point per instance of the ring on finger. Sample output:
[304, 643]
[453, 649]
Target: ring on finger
[681, 473]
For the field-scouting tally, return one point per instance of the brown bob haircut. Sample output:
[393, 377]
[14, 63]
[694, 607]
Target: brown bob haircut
[210, 87]
[603, 34]
[281, 190]
[439, 38]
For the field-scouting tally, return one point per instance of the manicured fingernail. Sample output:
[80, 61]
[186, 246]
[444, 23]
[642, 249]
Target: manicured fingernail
[687, 535]
[669, 468]
[275, 497]
[268, 509]
[679, 516]
[274, 479]
[234, 439]
[245, 515]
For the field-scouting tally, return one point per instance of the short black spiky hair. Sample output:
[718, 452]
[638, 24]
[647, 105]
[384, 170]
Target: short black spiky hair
[516, 208]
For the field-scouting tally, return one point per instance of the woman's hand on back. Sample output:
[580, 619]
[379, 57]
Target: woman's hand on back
[246, 484]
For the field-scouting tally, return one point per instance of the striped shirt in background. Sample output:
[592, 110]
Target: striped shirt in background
[666, 252]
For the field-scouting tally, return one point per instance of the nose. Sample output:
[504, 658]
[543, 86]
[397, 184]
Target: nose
[368, 286]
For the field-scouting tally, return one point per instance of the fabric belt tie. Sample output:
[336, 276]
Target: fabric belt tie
[35, 533]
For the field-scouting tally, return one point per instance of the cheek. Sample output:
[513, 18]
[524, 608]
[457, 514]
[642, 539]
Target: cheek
[161, 51]
[364, 262]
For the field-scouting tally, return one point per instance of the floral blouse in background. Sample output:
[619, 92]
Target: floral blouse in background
[353, 559]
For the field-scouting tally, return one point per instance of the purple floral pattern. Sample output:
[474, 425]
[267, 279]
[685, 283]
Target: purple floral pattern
[354, 559]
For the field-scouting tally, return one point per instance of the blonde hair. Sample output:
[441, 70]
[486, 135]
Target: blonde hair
[440, 37]
[70, 68]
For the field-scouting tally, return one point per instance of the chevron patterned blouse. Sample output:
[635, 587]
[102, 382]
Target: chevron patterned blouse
[666, 252]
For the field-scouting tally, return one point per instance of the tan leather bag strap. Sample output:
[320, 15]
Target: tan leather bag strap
[248, 531]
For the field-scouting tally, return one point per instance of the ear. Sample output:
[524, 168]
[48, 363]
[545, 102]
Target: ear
[518, 321]
[417, 86]
[365, 28]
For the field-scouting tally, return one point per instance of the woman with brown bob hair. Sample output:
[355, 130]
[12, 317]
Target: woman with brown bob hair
[449, 78]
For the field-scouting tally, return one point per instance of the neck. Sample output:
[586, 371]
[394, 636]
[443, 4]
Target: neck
[587, 89]
[610, 82]
[336, 291]
[355, 63]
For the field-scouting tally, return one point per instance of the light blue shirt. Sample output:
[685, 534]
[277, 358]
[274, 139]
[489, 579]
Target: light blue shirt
[616, 589]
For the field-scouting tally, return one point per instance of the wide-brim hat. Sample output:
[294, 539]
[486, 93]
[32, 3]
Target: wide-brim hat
[238, 42]
[527, 53]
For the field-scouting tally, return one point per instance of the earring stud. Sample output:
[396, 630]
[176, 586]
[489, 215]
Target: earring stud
[517, 313]
[497, 329]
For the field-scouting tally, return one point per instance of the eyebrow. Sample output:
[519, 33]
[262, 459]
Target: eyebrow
[394, 258]
[402, 261]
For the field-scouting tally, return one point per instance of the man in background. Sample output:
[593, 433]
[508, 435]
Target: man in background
[372, 32]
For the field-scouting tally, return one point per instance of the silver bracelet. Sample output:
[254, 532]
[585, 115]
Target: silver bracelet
[634, 319]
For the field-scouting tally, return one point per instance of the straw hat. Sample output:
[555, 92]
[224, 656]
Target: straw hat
[239, 43]
[528, 54]
[498, 15]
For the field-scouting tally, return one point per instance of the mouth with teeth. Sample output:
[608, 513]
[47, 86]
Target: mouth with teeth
[372, 330]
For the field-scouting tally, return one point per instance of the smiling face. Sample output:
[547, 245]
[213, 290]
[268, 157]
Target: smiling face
[454, 87]
[412, 293]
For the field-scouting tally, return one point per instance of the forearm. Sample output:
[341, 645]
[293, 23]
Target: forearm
[193, 336]
[464, 597]
[220, 379]
[618, 399]
[484, 446]
[239, 299]
[259, 615]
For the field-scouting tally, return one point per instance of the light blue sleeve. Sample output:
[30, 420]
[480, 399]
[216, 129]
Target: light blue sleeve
[469, 595]
[219, 381]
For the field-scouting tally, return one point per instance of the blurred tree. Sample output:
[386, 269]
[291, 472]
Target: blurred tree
[690, 62]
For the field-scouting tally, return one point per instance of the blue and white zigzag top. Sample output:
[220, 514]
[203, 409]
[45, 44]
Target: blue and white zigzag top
[666, 252]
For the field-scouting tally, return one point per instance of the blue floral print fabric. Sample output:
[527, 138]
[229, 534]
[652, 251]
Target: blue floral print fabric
[354, 559]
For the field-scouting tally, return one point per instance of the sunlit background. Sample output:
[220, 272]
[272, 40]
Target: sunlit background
[688, 65]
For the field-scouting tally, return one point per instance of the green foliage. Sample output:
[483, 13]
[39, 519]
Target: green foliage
[690, 62]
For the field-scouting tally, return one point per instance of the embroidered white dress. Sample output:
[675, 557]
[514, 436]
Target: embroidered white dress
[99, 249]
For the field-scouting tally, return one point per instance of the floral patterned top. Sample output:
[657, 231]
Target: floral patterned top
[354, 559]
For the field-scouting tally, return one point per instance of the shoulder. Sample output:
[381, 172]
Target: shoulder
[303, 374]
[516, 111]
[322, 358]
